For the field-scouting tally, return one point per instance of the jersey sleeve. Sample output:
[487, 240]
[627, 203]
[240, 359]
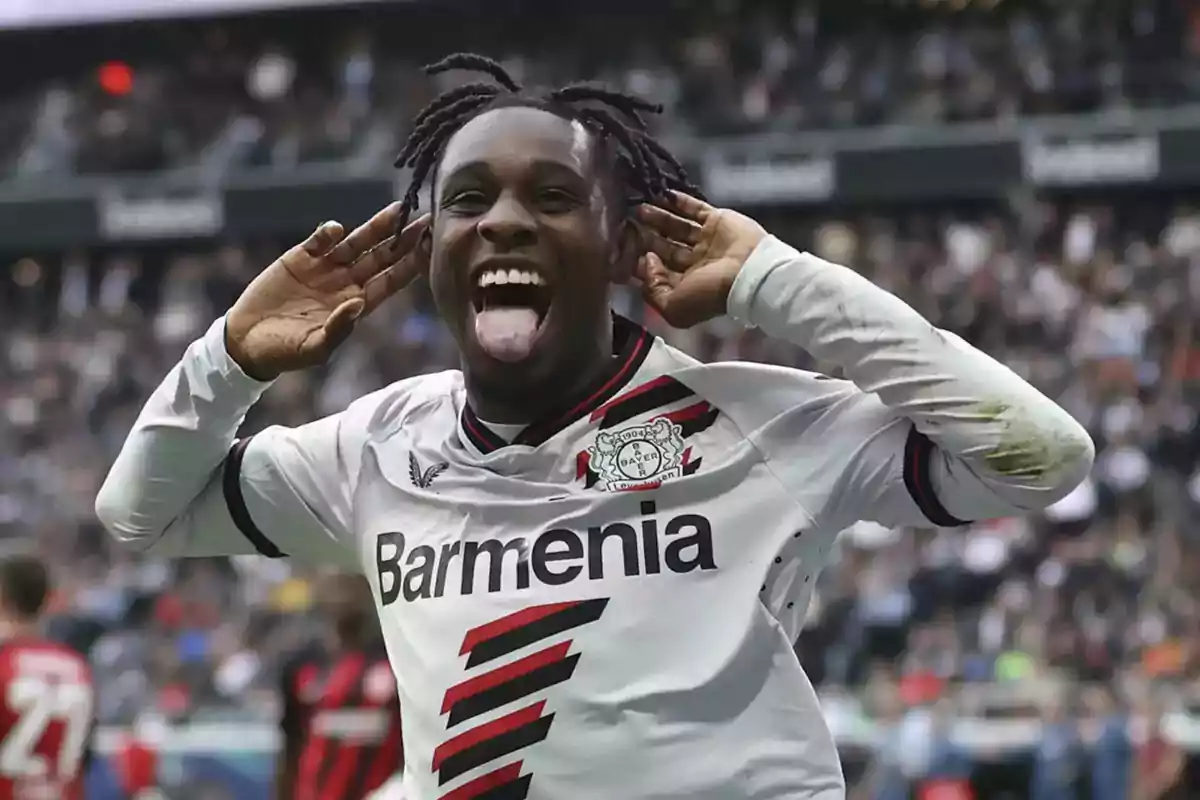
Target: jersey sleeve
[284, 492]
[846, 457]
[183, 485]
[928, 428]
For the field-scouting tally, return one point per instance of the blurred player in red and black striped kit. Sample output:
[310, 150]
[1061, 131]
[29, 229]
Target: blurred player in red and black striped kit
[341, 717]
[46, 695]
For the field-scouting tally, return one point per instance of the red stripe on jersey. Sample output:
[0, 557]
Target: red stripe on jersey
[508, 623]
[477, 432]
[662, 380]
[389, 760]
[691, 412]
[345, 766]
[485, 783]
[345, 678]
[496, 727]
[619, 377]
[504, 674]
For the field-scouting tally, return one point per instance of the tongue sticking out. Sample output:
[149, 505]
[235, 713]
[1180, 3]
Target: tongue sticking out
[507, 334]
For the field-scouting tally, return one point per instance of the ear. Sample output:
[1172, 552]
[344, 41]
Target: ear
[627, 249]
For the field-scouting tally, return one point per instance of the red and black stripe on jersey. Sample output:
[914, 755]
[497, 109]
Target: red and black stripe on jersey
[332, 766]
[653, 395]
[508, 683]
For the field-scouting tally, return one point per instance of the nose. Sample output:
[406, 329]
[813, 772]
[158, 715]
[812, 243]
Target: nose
[508, 225]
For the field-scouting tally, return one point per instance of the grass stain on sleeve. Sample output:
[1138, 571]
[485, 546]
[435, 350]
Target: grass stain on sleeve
[1025, 454]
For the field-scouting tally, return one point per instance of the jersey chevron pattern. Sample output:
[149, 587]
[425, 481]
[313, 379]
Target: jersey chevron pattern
[512, 682]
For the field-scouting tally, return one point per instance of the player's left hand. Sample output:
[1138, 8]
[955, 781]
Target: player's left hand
[693, 254]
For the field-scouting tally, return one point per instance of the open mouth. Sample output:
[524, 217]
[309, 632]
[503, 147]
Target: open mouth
[511, 288]
[510, 305]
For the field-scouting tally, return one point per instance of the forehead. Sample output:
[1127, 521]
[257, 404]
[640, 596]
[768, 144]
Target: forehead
[518, 138]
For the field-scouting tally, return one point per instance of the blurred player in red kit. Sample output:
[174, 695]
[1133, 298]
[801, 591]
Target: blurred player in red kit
[46, 695]
[341, 713]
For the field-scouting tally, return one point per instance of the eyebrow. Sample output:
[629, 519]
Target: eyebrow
[484, 169]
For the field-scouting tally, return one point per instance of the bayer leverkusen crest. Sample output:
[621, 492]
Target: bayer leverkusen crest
[637, 456]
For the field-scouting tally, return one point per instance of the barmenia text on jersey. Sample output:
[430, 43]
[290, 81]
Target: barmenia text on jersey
[597, 610]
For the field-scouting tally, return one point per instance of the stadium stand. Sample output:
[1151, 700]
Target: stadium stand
[150, 169]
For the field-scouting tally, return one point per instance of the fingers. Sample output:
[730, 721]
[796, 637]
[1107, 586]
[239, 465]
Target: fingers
[326, 236]
[671, 237]
[384, 284]
[657, 283]
[691, 207]
[337, 327]
[671, 254]
[392, 264]
[411, 235]
[670, 225]
[366, 236]
[389, 251]
[681, 309]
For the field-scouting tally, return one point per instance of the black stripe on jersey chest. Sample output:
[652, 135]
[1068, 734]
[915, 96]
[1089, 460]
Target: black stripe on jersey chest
[631, 345]
[649, 396]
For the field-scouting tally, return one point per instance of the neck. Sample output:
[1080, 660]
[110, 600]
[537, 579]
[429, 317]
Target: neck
[539, 399]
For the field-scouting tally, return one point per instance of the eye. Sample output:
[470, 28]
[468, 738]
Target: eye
[466, 200]
[555, 199]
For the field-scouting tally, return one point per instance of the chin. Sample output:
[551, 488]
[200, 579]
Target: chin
[537, 383]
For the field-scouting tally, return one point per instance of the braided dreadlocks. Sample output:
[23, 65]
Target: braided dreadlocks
[647, 170]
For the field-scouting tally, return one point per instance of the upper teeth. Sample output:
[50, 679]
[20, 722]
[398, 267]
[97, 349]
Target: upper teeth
[502, 277]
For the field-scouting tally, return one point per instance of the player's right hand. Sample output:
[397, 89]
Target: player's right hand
[306, 303]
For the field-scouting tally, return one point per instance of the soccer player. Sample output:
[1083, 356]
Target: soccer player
[590, 553]
[46, 695]
[341, 716]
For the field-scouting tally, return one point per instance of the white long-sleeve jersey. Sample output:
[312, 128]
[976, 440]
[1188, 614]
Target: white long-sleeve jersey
[605, 606]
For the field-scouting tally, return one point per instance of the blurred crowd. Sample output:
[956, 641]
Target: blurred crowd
[1082, 620]
[1092, 298]
[320, 86]
[1091, 302]
[1100, 315]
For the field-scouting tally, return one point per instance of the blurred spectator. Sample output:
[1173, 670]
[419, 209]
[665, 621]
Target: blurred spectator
[917, 753]
[1112, 751]
[1159, 766]
[243, 96]
[1058, 760]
